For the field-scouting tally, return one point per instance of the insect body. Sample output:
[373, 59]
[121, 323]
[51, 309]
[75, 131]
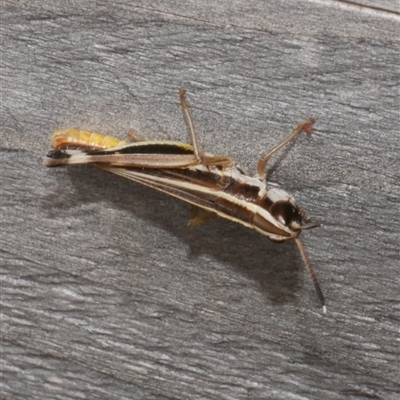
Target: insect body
[214, 185]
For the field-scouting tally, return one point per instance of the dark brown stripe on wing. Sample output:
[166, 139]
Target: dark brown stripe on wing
[234, 209]
[243, 191]
[146, 148]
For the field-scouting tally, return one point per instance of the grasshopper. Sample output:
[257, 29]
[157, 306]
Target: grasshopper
[213, 185]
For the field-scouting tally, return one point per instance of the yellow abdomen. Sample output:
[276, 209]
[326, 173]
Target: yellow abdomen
[70, 138]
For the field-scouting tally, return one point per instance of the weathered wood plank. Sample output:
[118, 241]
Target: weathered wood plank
[106, 293]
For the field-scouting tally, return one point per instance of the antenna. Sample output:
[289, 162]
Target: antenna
[312, 274]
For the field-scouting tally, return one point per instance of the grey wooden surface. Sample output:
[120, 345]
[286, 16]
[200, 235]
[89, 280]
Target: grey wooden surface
[107, 294]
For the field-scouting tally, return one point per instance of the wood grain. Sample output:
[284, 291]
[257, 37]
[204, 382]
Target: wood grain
[107, 294]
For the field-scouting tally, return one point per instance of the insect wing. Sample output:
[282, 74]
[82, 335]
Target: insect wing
[207, 192]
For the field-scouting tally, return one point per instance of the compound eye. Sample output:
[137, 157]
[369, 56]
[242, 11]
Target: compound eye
[287, 214]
